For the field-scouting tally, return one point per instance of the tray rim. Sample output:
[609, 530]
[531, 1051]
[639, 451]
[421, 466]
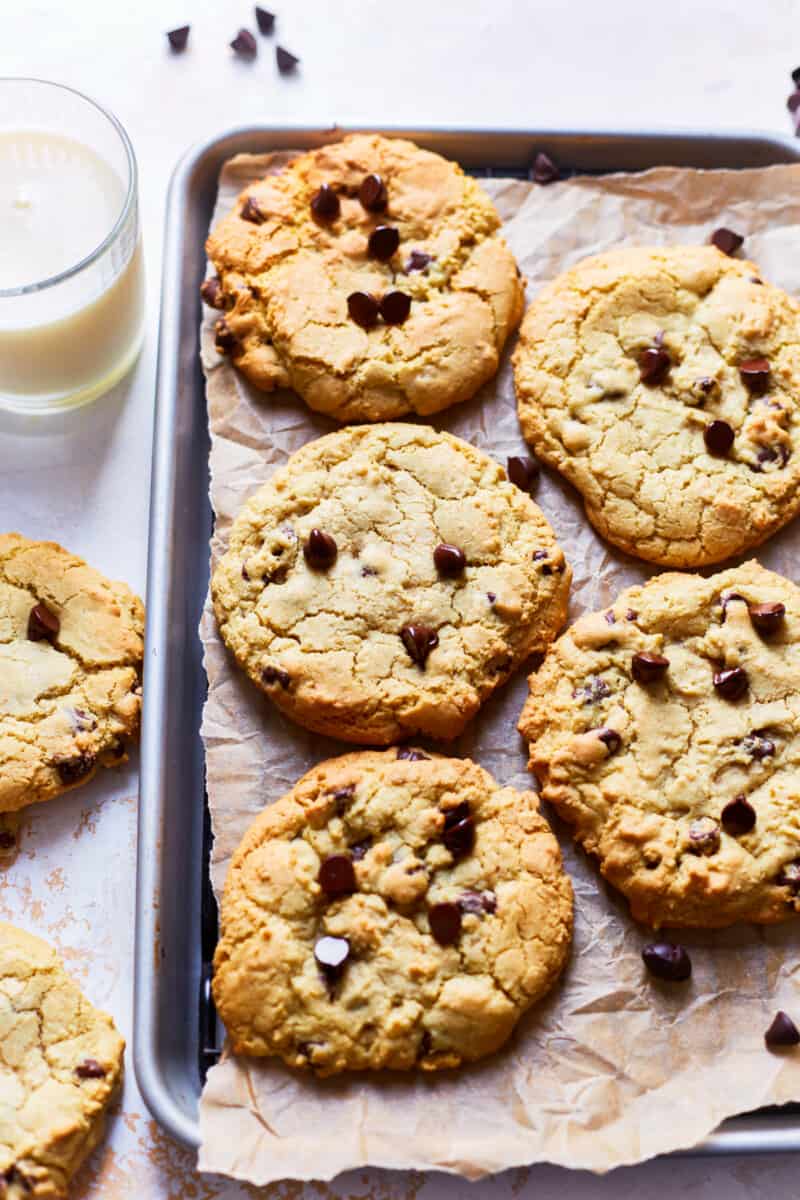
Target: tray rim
[747, 1134]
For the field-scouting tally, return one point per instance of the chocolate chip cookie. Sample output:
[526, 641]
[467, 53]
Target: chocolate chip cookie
[386, 581]
[70, 669]
[662, 383]
[666, 730]
[395, 909]
[60, 1069]
[369, 276]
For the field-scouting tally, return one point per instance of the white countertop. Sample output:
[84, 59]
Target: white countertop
[84, 479]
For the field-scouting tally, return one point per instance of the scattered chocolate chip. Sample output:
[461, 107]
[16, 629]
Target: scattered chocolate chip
[523, 471]
[667, 961]
[359, 850]
[647, 668]
[179, 38]
[395, 307]
[445, 922]
[363, 309]
[704, 836]
[265, 20]
[610, 739]
[90, 1068]
[767, 618]
[417, 261]
[336, 875]
[71, 770]
[286, 61]
[383, 242]
[320, 550]
[251, 212]
[477, 903]
[754, 373]
[593, 690]
[758, 746]
[491, 597]
[630, 615]
[419, 640]
[273, 675]
[43, 624]
[449, 560]
[738, 816]
[372, 193]
[7, 840]
[706, 385]
[726, 240]
[718, 437]
[654, 364]
[731, 684]
[544, 169]
[459, 830]
[782, 1031]
[325, 203]
[331, 954]
[769, 454]
[211, 292]
[412, 755]
[245, 44]
[245, 574]
[224, 338]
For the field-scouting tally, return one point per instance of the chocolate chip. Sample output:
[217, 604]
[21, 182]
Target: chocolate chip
[793, 103]
[320, 550]
[12, 1175]
[523, 471]
[445, 922]
[610, 619]
[796, 76]
[767, 618]
[359, 850]
[363, 309]
[7, 840]
[336, 875]
[90, 1068]
[459, 830]
[245, 44]
[630, 615]
[179, 38]
[286, 61]
[273, 675]
[610, 739]
[726, 240]
[419, 640]
[667, 961]
[245, 574]
[704, 836]
[265, 20]
[449, 560]
[647, 668]
[477, 903]
[754, 373]
[372, 193]
[331, 954]
[395, 307]
[412, 755]
[654, 364]
[782, 1031]
[718, 437]
[251, 212]
[417, 261]
[731, 684]
[224, 338]
[790, 875]
[71, 770]
[593, 690]
[758, 746]
[738, 816]
[544, 169]
[211, 292]
[325, 203]
[43, 624]
[343, 796]
[383, 241]
[491, 597]
[768, 454]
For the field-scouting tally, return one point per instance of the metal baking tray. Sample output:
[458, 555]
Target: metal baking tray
[175, 1029]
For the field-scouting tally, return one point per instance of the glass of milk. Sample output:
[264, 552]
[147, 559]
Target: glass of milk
[71, 270]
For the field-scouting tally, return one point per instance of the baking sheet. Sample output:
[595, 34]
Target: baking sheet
[611, 1069]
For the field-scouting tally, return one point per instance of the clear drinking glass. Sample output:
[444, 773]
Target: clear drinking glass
[71, 268]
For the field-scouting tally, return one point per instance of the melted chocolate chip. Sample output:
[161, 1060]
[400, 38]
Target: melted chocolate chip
[726, 240]
[718, 437]
[331, 954]
[211, 292]
[758, 746]
[320, 550]
[647, 668]
[372, 193]
[445, 922]
[523, 471]
[412, 755]
[90, 1068]
[704, 836]
[325, 204]
[273, 675]
[71, 770]
[593, 690]
[251, 212]
[419, 640]
[417, 260]
[383, 242]
[343, 796]
[179, 38]
[244, 44]
[363, 309]
[667, 961]
[224, 338]
[544, 169]
[731, 684]
[336, 875]
[754, 373]
[738, 816]
[286, 61]
[43, 624]
[449, 560]
[459, 830]
[265, 20]
[782, 1032]
[654, 365]
[767, 618]
[610, 739]
[478, 904]
[395, 307]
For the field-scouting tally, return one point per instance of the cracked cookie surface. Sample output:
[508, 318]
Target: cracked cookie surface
[639, 376]
[666, 731]
[60, 1068]
[395, 909]
[285, 275]
[70, 665]
[383, 638]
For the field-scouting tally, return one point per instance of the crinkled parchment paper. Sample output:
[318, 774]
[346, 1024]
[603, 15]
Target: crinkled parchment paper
[611, 1068]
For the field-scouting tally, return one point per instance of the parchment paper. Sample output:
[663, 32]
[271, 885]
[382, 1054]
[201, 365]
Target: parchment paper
[611, 1068]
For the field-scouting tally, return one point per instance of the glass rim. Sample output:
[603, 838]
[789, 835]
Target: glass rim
[41, 285]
